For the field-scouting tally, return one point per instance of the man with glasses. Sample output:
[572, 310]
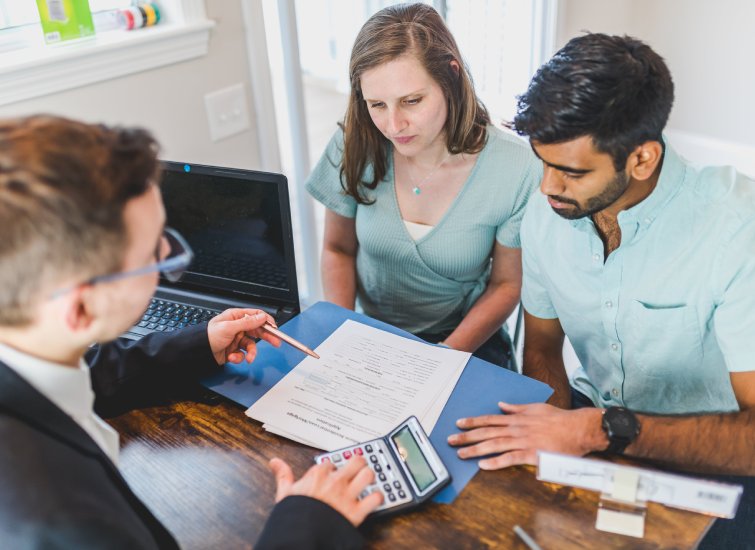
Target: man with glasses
[83, 242]
[172, 256]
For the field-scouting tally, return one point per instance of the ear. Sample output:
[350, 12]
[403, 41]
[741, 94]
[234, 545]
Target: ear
[455, 66]
[78, 313]
[643, 161]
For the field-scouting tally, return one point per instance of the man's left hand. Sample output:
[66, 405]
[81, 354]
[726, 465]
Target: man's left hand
[232, 333]
[516, 436]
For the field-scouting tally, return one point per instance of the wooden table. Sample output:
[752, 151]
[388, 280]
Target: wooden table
[202, 469]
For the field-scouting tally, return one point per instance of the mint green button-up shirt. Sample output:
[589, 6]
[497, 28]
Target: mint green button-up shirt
[659, 324]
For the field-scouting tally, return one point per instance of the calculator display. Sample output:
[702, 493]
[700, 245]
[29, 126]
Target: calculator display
[413, 457]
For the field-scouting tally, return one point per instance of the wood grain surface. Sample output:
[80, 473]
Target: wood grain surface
[201, 466]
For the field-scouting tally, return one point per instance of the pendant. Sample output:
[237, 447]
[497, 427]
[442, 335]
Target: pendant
[416, 190]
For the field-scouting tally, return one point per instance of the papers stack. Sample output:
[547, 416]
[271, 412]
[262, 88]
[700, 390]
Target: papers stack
[365, 383]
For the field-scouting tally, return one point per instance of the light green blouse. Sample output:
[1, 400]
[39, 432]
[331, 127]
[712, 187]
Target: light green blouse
[429, 285]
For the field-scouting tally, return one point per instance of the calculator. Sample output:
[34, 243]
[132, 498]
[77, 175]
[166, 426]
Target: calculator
[408, 470]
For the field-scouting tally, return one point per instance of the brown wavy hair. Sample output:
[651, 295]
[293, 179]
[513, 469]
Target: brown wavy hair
[419, 30]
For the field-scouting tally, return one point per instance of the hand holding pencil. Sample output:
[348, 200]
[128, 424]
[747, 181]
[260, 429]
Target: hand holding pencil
[232, 333]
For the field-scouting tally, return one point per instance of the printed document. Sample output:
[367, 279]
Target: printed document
[365, 383]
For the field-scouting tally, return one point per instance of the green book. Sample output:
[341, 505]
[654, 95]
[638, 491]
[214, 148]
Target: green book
[65, 19]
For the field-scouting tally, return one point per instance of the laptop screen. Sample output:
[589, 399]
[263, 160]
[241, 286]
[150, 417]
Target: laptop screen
[238, 224]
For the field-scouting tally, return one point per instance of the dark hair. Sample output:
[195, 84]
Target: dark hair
[615, 89]
[419, 30]
[63, 188]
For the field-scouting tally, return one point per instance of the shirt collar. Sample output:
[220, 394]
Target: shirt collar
[669, 183]
[70, 389]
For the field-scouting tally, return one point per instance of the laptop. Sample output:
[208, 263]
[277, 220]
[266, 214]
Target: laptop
[238, 223]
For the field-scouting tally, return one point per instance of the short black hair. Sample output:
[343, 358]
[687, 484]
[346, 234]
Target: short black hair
[615, 89]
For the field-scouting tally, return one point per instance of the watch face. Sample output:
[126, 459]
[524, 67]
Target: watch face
[620, 423]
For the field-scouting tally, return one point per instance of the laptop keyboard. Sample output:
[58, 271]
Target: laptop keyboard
[167, 316]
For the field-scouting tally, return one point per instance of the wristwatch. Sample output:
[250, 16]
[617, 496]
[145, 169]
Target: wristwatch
[621, 427]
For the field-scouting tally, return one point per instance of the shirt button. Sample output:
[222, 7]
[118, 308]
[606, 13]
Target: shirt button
[609, 303]
[596, 257]
[648, 220]
[614, 347]
[615, 392]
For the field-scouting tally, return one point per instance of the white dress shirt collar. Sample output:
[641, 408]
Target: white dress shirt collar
[70, 389]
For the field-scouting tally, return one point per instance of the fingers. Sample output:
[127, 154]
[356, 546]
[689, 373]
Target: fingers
[508, 408]
[364, 477]
[243, 320]
[352, 467]
[248, 322]
[512, 414]
[284, 478]
[359, 476]
[231, 332]
[236, 357]
[367, 505]
[236, 313]
[485, 420]
[251, 321]
[259, 319]
[246, 352]
[513, 458]
[249, 347]
[479, 434]
[490, 446]
[267, 337]
[339, 488]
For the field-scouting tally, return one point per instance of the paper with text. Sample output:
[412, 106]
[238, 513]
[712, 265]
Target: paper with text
[365, 383]
[687, 493]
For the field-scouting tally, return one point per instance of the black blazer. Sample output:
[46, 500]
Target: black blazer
[59, 490]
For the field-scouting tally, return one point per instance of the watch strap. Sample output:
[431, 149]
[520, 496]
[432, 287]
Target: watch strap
[617, 445]
[617, 442]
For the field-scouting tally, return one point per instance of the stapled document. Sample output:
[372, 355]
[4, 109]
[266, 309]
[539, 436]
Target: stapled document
[365, 382]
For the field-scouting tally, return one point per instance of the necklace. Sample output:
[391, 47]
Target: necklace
[417, 185]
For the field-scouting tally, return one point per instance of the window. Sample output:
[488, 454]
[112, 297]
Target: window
[503, 42]
[15, 14]
[20, 28]
[495, 39]
[29, 68]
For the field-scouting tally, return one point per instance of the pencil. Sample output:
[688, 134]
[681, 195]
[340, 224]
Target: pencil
[528, 540]
[286, 338]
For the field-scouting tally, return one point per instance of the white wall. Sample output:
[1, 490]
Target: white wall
[170, 100]
[709, 48]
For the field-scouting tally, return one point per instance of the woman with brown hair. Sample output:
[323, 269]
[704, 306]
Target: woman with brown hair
[424, 196]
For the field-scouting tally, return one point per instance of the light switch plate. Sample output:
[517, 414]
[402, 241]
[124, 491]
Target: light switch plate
[227, 113]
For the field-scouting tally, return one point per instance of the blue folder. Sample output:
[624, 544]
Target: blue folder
[479, 389]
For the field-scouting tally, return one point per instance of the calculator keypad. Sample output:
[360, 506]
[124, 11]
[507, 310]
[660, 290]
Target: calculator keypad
[387, 477]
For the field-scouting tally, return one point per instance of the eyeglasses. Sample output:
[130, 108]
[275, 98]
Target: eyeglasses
[172, 267]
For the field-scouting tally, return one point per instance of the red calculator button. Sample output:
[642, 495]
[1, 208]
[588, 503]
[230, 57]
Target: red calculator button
[347, 454]
[358, 451]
